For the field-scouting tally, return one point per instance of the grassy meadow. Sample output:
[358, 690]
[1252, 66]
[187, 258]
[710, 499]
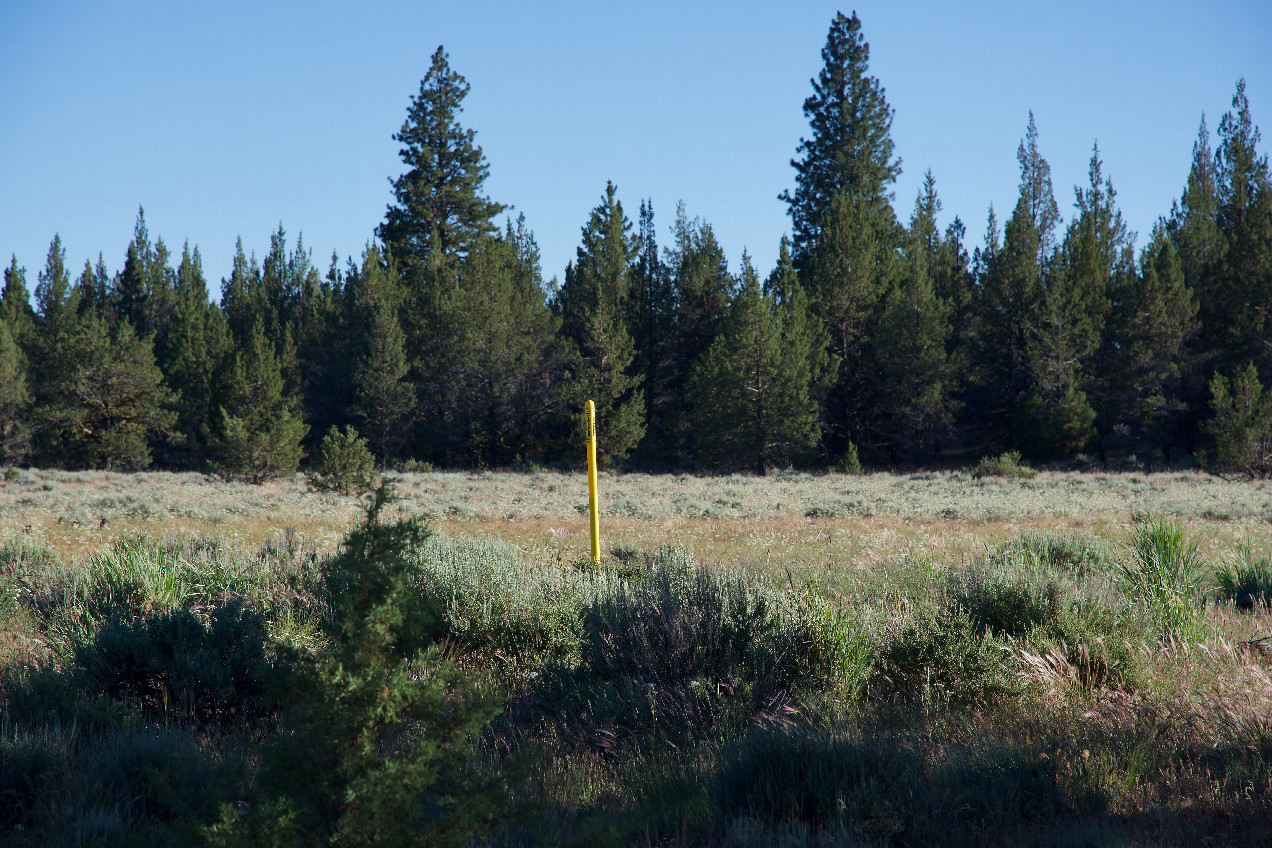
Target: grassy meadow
[936, 658]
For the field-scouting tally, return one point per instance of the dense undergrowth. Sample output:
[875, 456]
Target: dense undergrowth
[419, 689]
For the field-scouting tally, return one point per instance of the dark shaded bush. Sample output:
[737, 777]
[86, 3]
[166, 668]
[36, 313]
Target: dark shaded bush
[879, 787]
[212, 668]
[30, 763]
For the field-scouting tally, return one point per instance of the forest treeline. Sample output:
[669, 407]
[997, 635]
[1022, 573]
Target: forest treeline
[875, 339]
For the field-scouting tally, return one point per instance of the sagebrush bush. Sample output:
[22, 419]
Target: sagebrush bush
[937, 654]
[685, 650]
[489, 602]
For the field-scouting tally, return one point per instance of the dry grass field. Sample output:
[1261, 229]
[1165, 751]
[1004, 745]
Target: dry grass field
[828, 524]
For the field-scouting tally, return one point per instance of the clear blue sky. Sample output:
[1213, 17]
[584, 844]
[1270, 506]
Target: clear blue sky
[225, 119]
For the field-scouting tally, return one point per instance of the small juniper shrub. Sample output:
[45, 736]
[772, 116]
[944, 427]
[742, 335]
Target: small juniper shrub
[850, 462]
[1245, 577]
[377, 734]
[1004, 465]
[344, 464]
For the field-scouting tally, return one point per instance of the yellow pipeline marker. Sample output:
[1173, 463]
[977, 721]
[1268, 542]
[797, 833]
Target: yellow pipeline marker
[591, 482]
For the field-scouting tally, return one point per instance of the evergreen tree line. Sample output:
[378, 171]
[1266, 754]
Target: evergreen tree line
[872, 337]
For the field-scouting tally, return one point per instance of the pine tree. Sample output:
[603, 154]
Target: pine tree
[498, 394]
[15, 400]
[439, 205]
[751, 406]
[851, 268]
[15, 305]
[652, 322]
[1071, 345]
[591, 305]
[143, 290]
[1244, 286]
[1014, 307]
[916, 371]
[1153, 318]
[105, 400]
[196, 348]
[258, 428]
[701, 286]
[1037, 199]
[383, 397]
[850, 150]
[94, 285]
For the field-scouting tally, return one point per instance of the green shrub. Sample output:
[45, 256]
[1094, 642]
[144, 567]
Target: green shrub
[210, 669]
[344, 464]
[1163, 572]
[850, 462]
[1004, 465]
[938, 655]
[1245, 578]
[376, 734]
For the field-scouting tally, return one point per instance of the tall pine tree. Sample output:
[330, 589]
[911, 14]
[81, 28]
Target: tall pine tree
[439, 208]
[850, 148]
[750, 392]
[591, 305]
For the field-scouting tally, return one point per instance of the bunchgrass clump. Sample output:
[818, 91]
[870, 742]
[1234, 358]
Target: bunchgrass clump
[1163, 571]
[1245, 577]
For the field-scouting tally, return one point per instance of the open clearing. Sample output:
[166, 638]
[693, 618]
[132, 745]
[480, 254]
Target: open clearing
[829, 524]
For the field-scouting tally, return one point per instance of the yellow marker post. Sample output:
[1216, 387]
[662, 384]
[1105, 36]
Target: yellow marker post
[591, 482]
